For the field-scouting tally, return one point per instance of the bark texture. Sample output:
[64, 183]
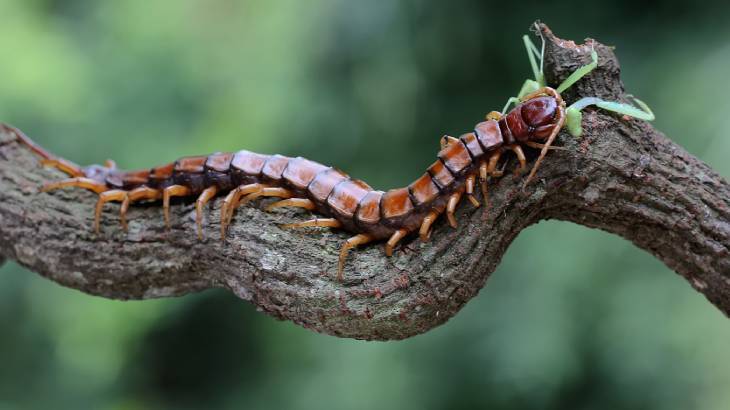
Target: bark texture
[623, 177]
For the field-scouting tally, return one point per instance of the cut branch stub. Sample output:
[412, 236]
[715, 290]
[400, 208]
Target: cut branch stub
[622, 176]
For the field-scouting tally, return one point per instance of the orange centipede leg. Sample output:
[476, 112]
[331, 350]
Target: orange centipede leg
[64, 165]
[394, 239]
[230, 204]
[451, 208]
[483, 174]
[104, 197]
[24, 139]
[293, 202]
[171, 191]
[424, 232]
[202, 200]
[520, 157]
[264, 192]
[354, 241]
[135, 195]
[85, 183]
[316, 222]
[470, 180]
[492, 167]
[537, 145]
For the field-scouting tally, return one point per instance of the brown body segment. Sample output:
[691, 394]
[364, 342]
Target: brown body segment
[472, 144]
[441, 176]
[300, 172]
[248, 162]
[423, 190]
[489, 135]
[217, 168]
[323, 184]
[159, 176]
[274, 167]
[456, 157]
[190, 165]
[219, 162]
[369, 210]
[517, 127]
[346, 197]
[134, 179]
[189, 172]
[396, 203]
[162, 172]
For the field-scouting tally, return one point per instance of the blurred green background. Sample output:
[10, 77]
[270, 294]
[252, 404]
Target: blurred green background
[573, 318]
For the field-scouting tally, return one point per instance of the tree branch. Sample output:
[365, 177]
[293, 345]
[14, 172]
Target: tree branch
[623, 177]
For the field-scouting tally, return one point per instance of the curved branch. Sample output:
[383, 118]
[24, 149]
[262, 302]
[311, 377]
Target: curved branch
[622, 176]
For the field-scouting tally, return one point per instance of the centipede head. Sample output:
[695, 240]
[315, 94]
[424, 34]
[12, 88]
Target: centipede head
[535, 118]
[541, 112]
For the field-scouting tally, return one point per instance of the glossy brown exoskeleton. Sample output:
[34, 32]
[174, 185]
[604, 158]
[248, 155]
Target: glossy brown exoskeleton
[347, 203]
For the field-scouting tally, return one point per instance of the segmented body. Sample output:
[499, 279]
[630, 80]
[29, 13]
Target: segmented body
[351, 204]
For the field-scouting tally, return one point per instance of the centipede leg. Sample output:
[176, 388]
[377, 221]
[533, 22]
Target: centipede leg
[454, 200]
[25, 140]
[63, 165]
[268, 191]
[293, 202]
[262, 191]
[470, 180]
[104, 197]
[171, 191]
[492, 167]
[520, 157]
[135, 195]
[537, 145]
[394, 239]
[202, 200]
[85, 183]
[316, 222]
[356, 240]
[483, 174]
[231, 201]
[424, 232]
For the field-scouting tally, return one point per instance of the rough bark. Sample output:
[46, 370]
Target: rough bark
[623, 177]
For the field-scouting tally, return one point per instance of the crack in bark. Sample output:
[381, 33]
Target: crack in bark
[623, 177]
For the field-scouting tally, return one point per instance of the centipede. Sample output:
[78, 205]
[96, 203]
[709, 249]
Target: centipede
[335, 199]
